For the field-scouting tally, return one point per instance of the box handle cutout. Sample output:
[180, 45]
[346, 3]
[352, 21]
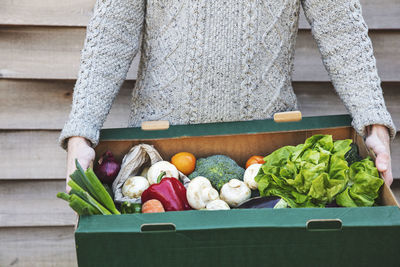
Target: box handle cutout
[324, 225]
[155, 125]
[157, 227]
[289, 116]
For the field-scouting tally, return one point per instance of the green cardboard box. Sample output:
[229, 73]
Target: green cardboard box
[257, 237]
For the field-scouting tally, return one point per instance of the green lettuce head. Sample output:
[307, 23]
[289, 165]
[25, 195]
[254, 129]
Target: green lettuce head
[311, 174]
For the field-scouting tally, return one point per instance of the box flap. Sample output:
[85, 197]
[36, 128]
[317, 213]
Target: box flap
[227, 128]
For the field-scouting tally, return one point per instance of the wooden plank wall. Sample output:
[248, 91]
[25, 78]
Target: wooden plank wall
[40, 42]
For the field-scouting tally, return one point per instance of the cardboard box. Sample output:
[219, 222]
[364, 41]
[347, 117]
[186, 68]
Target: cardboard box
[258, 237]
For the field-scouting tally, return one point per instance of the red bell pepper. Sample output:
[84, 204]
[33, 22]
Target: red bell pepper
[170, 192]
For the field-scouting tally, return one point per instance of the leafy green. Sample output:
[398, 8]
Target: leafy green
[352, 155]
[314, 173]
[363, 187]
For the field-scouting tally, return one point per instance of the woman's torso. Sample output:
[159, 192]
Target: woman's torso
[209, 61]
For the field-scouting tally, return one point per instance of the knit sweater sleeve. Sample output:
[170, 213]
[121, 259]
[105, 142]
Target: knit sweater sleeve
[342, 37]
[112, 41]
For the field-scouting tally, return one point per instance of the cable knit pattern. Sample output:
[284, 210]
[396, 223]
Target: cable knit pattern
[211, 61]
[342, 37]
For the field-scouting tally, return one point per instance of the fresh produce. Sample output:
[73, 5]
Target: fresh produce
[169, 191]
[129, 208]
[249, 175]
[152, 206]
[145, 171]
[217, 204]
[263, 202]
[200, 192]
[310, 174]
[185, 162]
[219, 169]
[235, 192]
[107, 168]
[79, 205]
[363, 186]
[77, 190]
[165, 167]
[134, 186]
[254, 160]
[352, 155]
[88, 196]
[109, 190]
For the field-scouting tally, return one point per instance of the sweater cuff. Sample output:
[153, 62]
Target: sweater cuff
[72, 129]
[373, 116]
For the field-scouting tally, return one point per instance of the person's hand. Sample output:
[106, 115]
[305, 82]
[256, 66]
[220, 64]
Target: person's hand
[378, 140]
[78, 148]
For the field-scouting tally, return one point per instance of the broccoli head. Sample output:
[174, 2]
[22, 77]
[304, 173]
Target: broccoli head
[219, 169]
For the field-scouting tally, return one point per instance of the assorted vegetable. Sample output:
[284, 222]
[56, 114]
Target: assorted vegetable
[364, 185]
[235, 192]
[200, 192]
[169, 191]
[219, 169]
[319, 173]
[165, 167]
[313, 174]
[152, 206]
[249, 175]
[129, 208]
[107, 168]
[264, 202]
[88, 196]
[134, 186]
[217, 204]
[254, 160]
[185, 162]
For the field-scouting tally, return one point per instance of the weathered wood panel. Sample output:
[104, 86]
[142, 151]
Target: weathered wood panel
[34, 203]
[26, 104]
[53, 53]
[379, 14]
[308, 64]
[46, 12]
[36, 155]
[29, 104]
[317, 99]
[31, 155]
[42, 52]
[37, 246]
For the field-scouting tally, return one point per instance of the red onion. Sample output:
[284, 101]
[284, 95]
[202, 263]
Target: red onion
[107, 168]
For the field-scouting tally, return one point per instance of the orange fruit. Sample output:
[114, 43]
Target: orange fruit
[255, 160]
[185, 162]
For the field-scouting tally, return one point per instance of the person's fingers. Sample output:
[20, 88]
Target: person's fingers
[382, 161]
[388, 177]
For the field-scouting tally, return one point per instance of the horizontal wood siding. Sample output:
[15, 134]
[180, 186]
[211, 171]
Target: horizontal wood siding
[40, 44]
[53, 53]
[26, 104]
[379, 14]
[27, 203]
[37, 246]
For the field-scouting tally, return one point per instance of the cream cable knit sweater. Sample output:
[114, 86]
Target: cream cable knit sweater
[212, 61]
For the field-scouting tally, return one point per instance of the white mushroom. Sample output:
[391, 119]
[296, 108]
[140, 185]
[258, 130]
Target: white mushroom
[134, 186]
[249, 175]
[200, 192]
[162, 166]
[234, 192]
[217, 204]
